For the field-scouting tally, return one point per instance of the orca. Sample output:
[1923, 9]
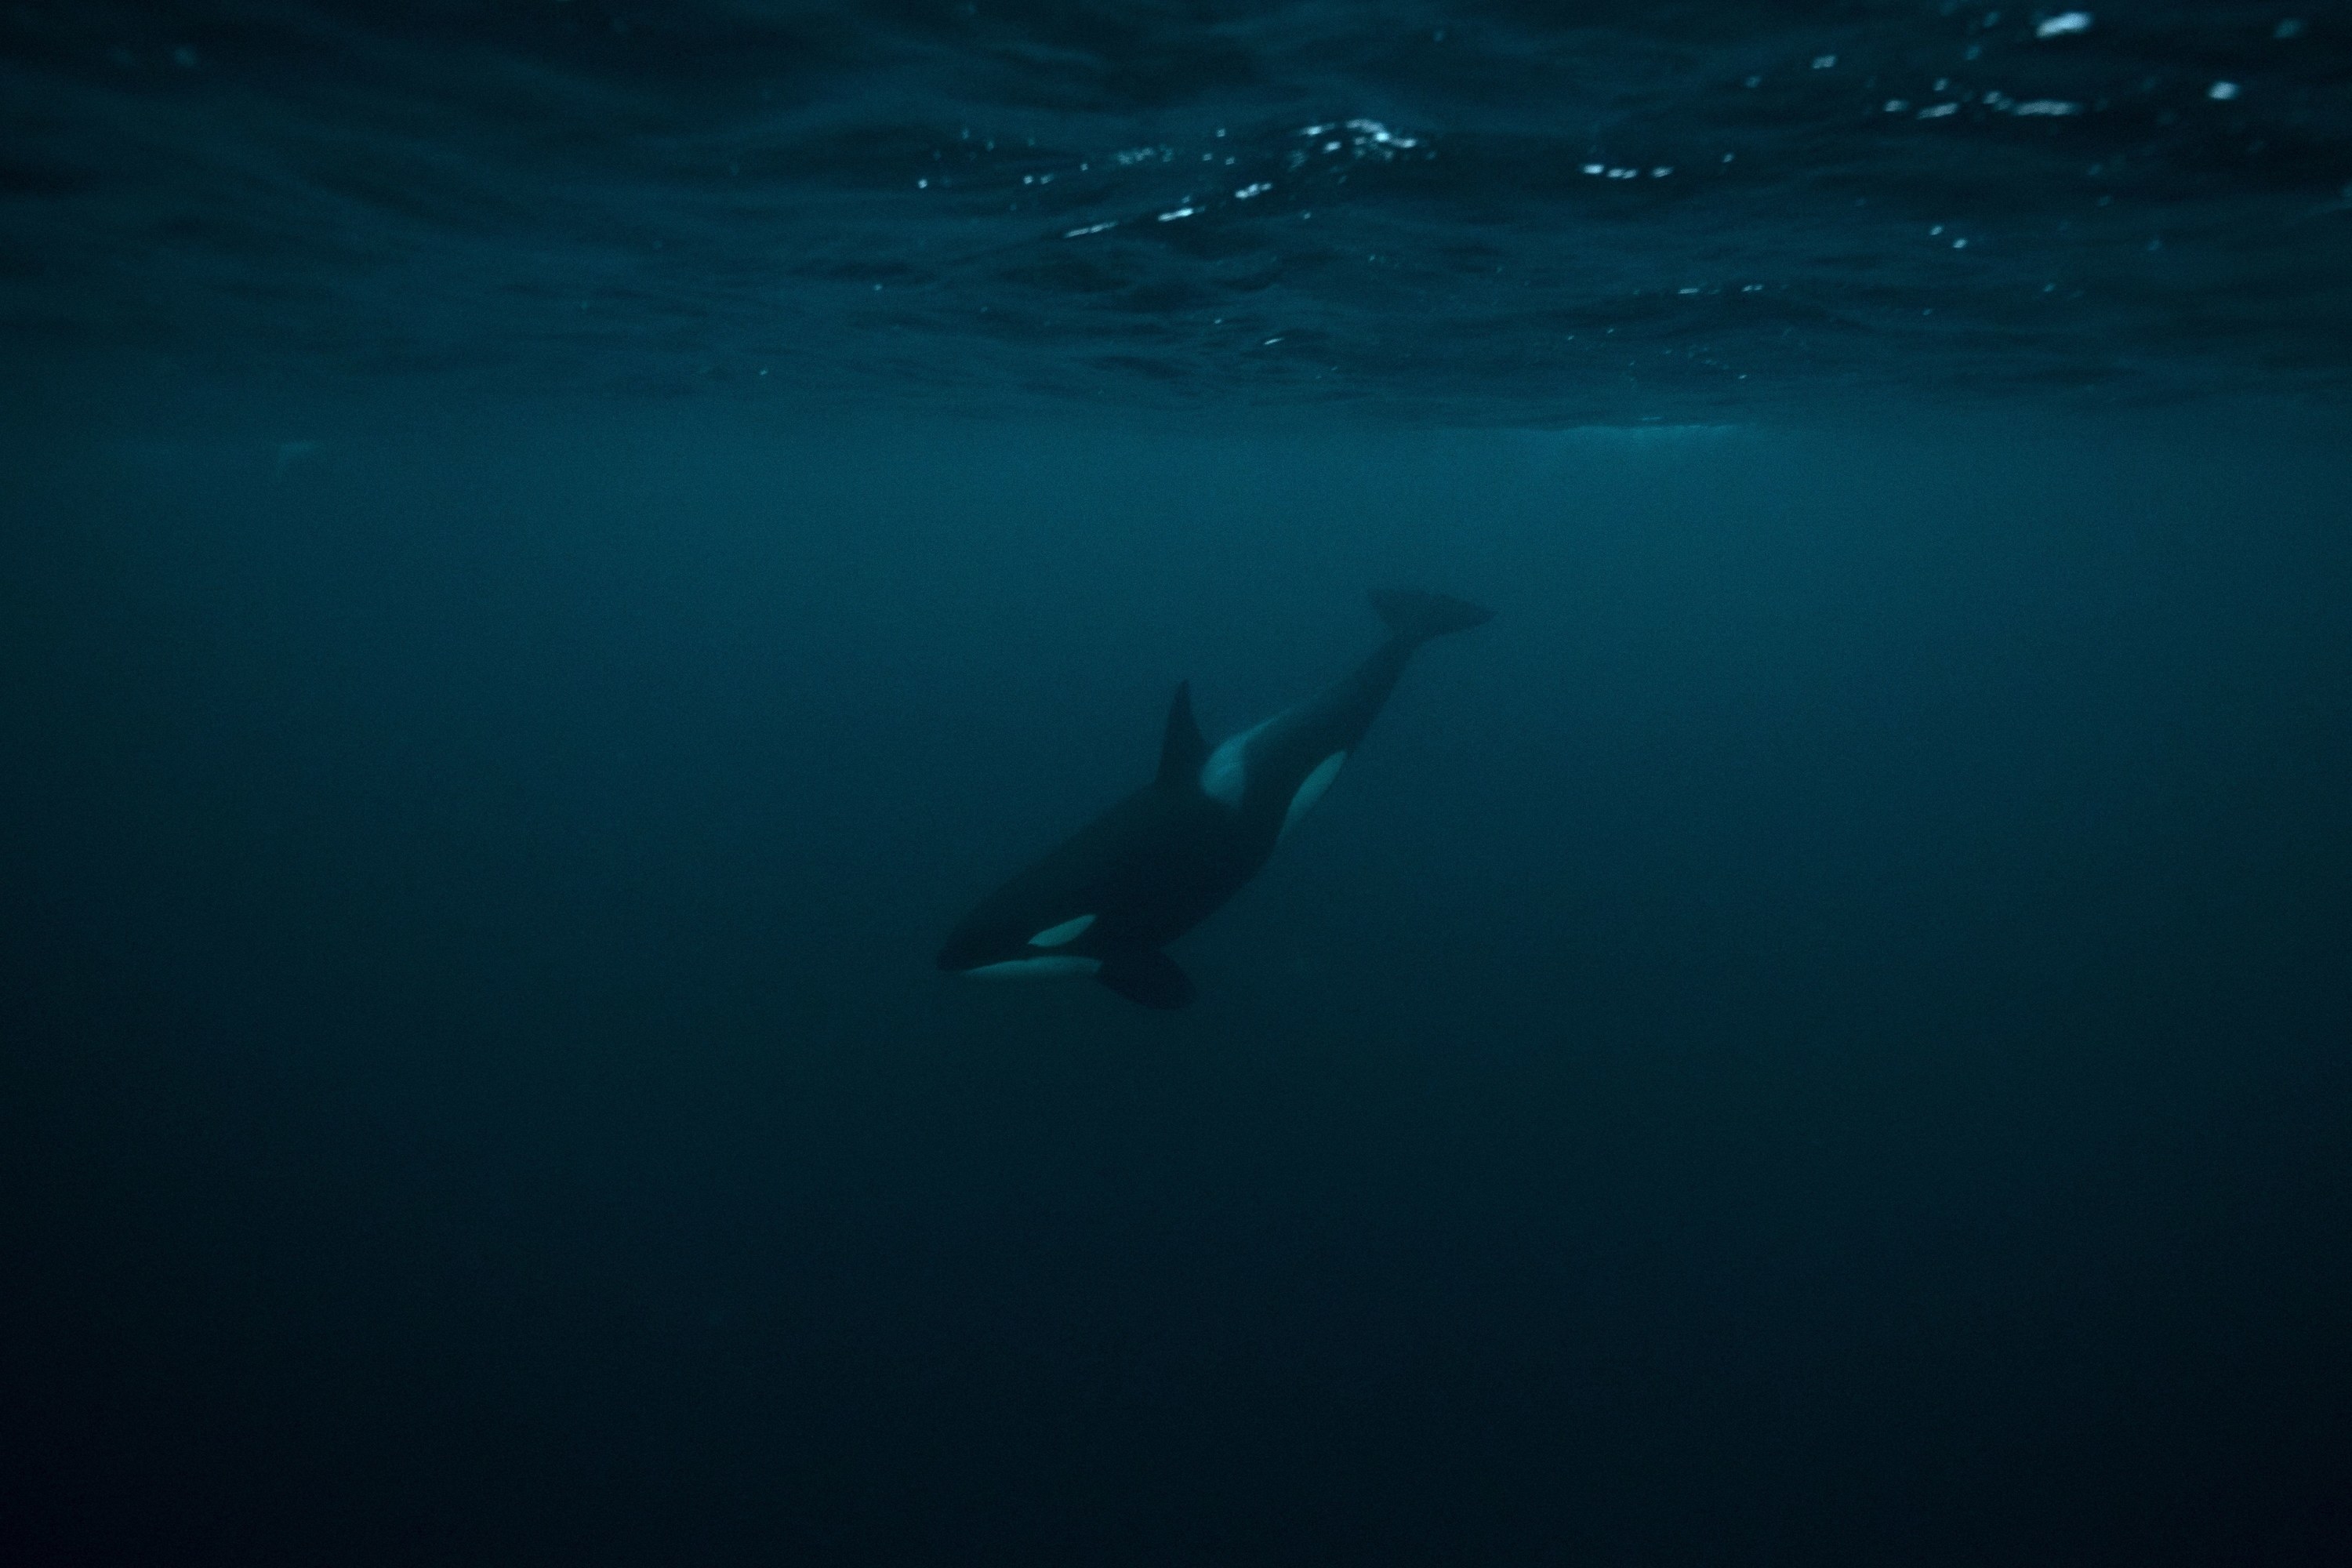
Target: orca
[1108, 901]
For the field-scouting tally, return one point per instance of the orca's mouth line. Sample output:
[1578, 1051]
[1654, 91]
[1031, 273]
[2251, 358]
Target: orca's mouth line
[1054, 966]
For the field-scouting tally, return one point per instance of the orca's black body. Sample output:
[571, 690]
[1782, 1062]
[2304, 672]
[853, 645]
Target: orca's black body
[1163, 859]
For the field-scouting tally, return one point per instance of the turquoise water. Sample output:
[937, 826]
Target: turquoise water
[551, 551]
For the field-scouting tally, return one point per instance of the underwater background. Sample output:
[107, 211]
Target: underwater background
[549, 548]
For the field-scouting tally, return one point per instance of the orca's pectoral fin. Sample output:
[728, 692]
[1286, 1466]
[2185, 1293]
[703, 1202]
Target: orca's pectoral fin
[1147, 975]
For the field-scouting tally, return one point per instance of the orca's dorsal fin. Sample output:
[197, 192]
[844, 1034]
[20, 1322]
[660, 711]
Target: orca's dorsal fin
[1148, 976]
[1182, 749]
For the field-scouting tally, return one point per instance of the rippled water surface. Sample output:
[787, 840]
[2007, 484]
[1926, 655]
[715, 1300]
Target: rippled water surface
[1498, 212]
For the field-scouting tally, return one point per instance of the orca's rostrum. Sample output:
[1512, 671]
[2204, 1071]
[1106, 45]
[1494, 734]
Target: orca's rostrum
[1151, 867]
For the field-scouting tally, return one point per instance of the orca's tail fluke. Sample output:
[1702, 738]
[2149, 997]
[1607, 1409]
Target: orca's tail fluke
[1416, 616]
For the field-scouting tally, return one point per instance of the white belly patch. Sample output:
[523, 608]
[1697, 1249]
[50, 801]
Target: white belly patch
[1225, 777]
[1311, 788]
[1058, 968]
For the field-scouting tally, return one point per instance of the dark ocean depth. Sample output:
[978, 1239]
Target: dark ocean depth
[551, 549]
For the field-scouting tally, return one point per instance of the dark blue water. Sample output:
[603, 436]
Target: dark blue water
[548, 551]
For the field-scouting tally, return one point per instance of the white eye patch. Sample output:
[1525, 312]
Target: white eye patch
[1069, 930]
